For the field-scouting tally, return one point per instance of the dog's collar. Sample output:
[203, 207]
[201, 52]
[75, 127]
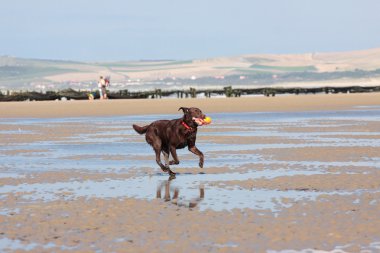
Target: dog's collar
[189, 128]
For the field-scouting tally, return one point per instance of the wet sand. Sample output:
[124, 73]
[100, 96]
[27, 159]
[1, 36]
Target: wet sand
[170, 106]
[302, 182]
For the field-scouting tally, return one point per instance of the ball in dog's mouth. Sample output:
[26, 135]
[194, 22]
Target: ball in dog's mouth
[200, 122]
[207, 120]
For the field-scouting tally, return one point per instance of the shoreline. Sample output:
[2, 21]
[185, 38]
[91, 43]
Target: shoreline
[87, 108]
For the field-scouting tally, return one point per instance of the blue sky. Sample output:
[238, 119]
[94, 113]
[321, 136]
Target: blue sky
[94, 30]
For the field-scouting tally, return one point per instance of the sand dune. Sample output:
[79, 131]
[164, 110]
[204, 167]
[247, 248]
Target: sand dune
[65, 71]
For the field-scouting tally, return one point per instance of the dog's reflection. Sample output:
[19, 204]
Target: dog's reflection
[175, 192]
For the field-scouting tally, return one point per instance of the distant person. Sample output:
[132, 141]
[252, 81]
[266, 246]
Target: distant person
[90, 96]
[102, 88]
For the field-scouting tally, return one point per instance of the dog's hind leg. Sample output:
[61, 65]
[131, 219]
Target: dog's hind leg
[158, 159]
[173, 152]
[167, 163]
[166, 157]
[152, 138]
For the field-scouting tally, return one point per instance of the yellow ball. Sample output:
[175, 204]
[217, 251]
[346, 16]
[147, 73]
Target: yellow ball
[207, 120]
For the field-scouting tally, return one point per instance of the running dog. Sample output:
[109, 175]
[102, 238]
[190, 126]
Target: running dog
[167, 136]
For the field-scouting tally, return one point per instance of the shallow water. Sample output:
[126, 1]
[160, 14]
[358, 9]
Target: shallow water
[113, 147]
[188, 186]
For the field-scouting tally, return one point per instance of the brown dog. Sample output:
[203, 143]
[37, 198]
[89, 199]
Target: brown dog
[167, 136]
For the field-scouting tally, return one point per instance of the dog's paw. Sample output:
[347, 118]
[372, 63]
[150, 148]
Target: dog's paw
[165, 168]
[174, 162]
[201, 163]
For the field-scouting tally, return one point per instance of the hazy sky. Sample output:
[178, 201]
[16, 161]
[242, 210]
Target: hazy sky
[94, 30]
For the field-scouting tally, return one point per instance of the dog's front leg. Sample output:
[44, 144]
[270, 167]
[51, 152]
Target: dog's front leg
[194, 150]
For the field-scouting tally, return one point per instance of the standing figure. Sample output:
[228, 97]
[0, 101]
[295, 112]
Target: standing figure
[102, 88]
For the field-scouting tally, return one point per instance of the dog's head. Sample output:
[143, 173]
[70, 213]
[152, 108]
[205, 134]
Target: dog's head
[193, 114]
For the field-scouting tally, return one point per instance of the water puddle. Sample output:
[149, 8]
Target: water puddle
[11, 175]
[185, 190]
[19, 131]
[9, 244]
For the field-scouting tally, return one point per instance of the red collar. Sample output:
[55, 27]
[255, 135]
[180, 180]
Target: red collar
[186, 126]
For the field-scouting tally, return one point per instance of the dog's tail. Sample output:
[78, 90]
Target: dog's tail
[139, 129]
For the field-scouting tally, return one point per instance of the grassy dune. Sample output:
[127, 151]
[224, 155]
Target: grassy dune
[17, 71]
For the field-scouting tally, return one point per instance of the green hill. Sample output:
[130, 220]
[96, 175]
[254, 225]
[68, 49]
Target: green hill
[358, 67]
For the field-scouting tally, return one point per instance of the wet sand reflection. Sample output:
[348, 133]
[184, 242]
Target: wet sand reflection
[176, 200]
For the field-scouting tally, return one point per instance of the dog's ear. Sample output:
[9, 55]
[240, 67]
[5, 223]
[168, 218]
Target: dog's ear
[184, 109]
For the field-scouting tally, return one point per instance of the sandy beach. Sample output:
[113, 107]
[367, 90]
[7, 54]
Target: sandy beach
[282, 174]
[170, 106]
